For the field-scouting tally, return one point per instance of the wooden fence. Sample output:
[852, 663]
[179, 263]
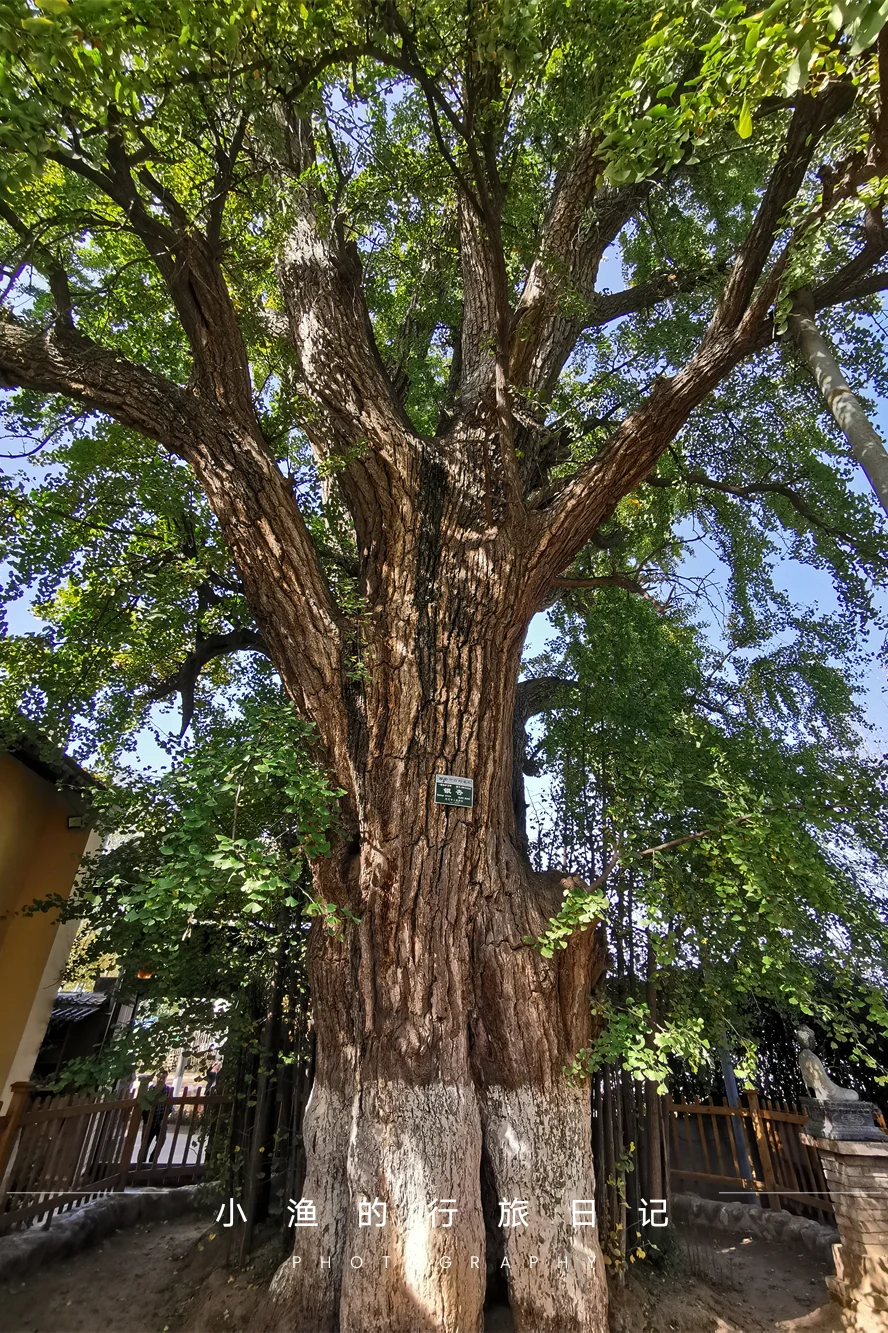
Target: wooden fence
[58, 1152]
[754, 1149]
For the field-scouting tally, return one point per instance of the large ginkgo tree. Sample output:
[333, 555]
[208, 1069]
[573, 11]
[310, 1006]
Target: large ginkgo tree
[349, 269]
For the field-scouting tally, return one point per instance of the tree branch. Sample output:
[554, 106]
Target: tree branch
[847, 410]
[810, 120]
[736, 329]
[46, 262]
[546, 326]
[478, 330]
[556, 254]
[831, 293]
[608, 306]
[624, 581]
[225, 164]
[538, 694]
[340, 369]
[184, 680]
[187, 265]
[65, 361]
[754, 490]
[252, 500]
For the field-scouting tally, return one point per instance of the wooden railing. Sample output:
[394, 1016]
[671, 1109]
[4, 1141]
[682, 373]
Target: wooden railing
[755, 1148]
[58, 1152]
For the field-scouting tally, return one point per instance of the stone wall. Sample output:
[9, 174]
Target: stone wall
[774, 1224]
[24, 1251]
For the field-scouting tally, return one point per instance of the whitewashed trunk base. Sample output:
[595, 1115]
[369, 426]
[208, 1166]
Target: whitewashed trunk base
[307, 1287]
[408, 1147]
[539, 1147]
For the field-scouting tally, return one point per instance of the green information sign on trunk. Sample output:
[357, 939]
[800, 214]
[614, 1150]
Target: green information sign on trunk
[453, 791]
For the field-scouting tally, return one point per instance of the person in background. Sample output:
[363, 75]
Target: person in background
[154, 1116]
[213, 1076]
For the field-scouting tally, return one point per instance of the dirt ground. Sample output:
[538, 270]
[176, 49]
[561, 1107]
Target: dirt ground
[717, 1283]
[171, 1277]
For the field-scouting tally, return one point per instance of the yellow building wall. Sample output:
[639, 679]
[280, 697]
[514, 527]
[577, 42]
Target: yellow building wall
[39, 856]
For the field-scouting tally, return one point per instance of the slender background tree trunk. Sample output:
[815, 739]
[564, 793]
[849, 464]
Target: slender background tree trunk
[844, 405]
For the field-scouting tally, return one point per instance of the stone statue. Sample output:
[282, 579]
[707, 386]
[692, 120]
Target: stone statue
[817, 1080]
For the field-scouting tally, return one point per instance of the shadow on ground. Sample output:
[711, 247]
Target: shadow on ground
[171, 1277]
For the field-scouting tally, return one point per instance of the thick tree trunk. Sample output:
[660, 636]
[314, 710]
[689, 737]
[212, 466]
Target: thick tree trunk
[465, 1073]
[442, 1036]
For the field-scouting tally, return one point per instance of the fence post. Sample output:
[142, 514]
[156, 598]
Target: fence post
[18, 1104]
[132, 1130]
[667, 1116]
[761, 1138]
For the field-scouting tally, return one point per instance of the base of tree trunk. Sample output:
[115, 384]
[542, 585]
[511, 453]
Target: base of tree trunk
[419, 1149]
[538, 1143]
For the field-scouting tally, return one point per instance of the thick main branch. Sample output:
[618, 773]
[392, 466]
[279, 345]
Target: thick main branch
[252, 500]
[736, 330]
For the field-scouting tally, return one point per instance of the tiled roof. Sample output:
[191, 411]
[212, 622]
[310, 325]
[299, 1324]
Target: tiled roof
[74, 1006]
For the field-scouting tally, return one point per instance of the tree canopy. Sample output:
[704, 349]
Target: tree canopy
[740, 824]
[475, 181]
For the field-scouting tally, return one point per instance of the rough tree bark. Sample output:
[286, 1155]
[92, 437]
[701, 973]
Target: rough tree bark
[442, 1036]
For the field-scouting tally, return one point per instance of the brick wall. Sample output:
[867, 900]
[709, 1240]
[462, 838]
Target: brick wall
[857, 1175]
